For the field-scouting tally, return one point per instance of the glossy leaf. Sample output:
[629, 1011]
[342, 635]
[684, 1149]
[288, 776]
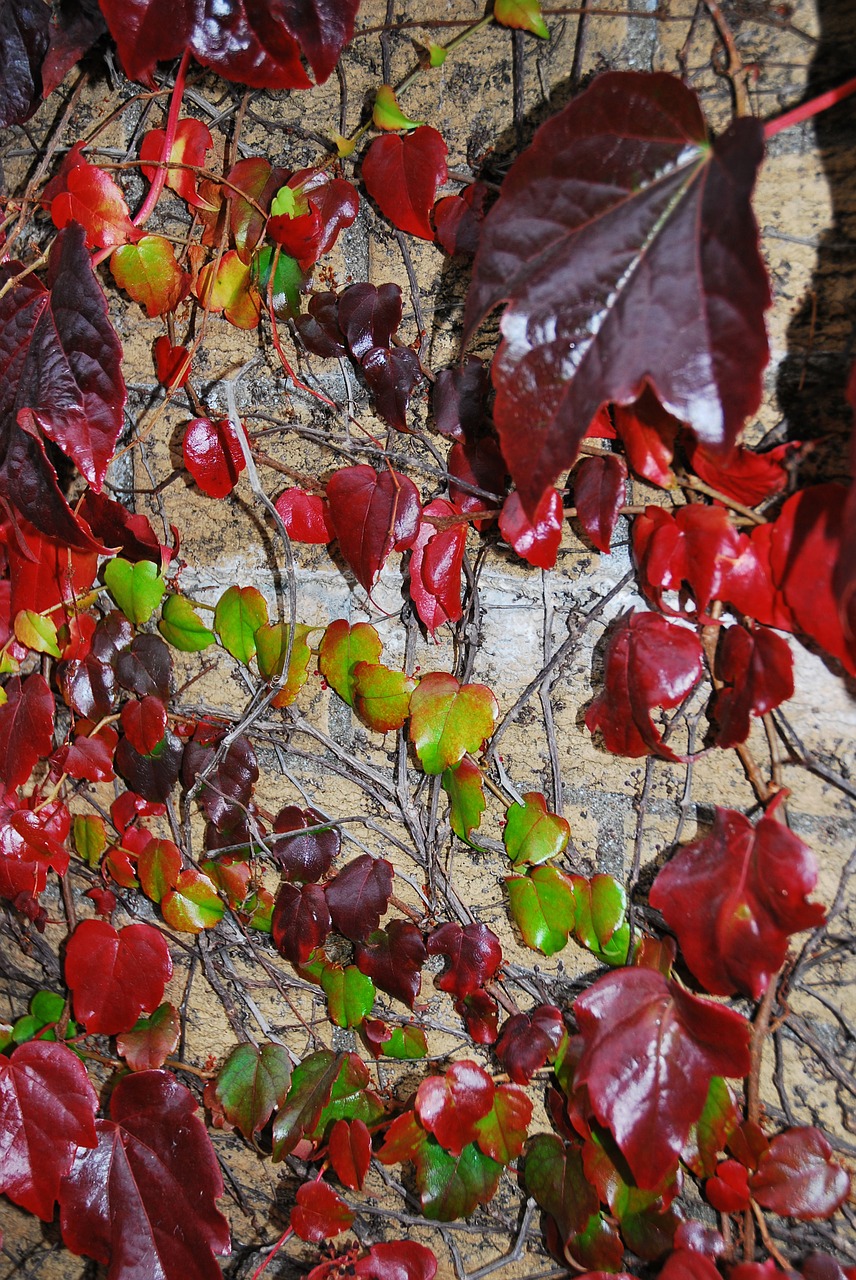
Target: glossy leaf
[350, 1148]
[228, 788]
[172, 364]
[154, 776]
[387, 114]
[451, 1186]
[459, 400]
[272, 644]
[144, 722]
[24, 35]
[555, 1178]
[401, 1043]
[757, 669]
[319, 1213]
[599, 488]
[137, 588]
[464, 786]
[543, 907]
[149, 272]
[158, 867]
[532, 834]
[182, 626]
[114, 976]
[303, 857]
[31, 843]
[372, 514]
[213, 455]
[381, 696]
[528, 1041]
[798, 1178]
[193, 904]
[300, 922]
[351, 1098]
[342, 646]
[191, 144]
[402, 174]
[92, 198]
[648, 434]
[474, 955]
[148, 1045]
[311, 1085]
[601, 920]
[359, 895]
[450, 1106]
[305, 516]
[231, 288]
[350, 994]
[435, 567]
[745, 475]
[501, 1133]
[239, 613]
[537, 539]
[26, 728]
[448, 719]
[252, 1083]
[393, 958]
[695, 546]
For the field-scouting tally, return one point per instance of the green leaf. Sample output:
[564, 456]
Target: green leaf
[525, 15]
[448, 719]
[556, 1179]
[90, 837]
[272, 646]
[194, 904]
[36, 632]
[714, 1127]
[350, 994]
[47, 1006]
[239, 613]
[543, 907]
[452, 1186]
[149, 272]
[381, 695]
[601, 917]
[532, 834]
[387, 114]
[137, 588]
[182, 627]
[436, 54]
[350, 1098]
[252, 1082]
[406, 1042]
[288, 280]
[288, 203]
[311, 1083]
[502, 1132]
[342, 647]
[465, 788]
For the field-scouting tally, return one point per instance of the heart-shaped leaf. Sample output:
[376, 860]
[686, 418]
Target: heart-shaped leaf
[137, 588]
[448, 719]
[115, 976]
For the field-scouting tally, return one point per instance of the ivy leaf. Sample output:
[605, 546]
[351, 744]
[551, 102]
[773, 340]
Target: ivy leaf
[350, 1148]
[391, 374]
[402, 173]
[172, 364]
[152, 777]
[191, 143]
[31, 843]
[525, 15]
[350, 994]
[311, 1085]
[158, 867]
[137, 588]
[239, 613]
[342, 646]
[148, 1045]
[474, 955]
[193, 904]
[258, 180]
[532, 834]
[502, 1132]
[350, 1098]
[650, 1050]
[304, 857]
[480, 1013]
[536, 539]
[145, 667]
[319, 1213]
[477, 461]
[555, 1178]
[47, 1109]
[618, 192]
[182, 626]
[24, 38]
[26, 728]
[543, 907]
[757, 668]
[271, 649]
[451, 1186]
[381, 695]
[744, 474]
[435, 567]
[393, 958]
[459, 400]
[601, 920]
[797, 1177]
[149, 273]
[230, 287]
[451, 1105]
[396, 1260]
[650, 663]
[305, 516]
[448, 719]
[464, 786]
[368, 316]
[251, 1084]
[735, 897]
[144, 1199]
[144, 721]
[115, 976]
[372, 514]
[213, 455]
[402, 1043]
[599, 488]
[359, 895]
[300, 921]
[528, 1041]
[697, 545]
[92, 198]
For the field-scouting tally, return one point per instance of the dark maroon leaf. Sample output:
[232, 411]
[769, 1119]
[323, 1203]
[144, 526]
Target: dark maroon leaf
[154, 776]
[650, 663]
[75, 27]
[301, 921]
[798, 1178]
[113, 635]
[458, 219]
[478, 462]
[228, 788]
[359, 896]
[735, 897]
[474, 955]
[88, 686]
[369, 316]
[304, 857]
[459, 400]
[530, 1040]
[618, 193]
[402, 174]
[480, 1013]
[757, 668]
[372, 514]
[319, 326]
[144, 1199]
[145, 668]
[26, 729]
[117, 527]
[820, 1266]
[393, 958]
[391, 375]
[650, 1050]
[23, 43]
[599, 486]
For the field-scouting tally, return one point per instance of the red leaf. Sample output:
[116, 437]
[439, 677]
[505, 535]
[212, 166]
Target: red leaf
[359, 895]
[144, 722]
[304, 857]
[213, 455]
[536, 540]
[300, 922]
[649, 663]
[144, 1199]
[530, 1040]
[305, 516]
[56, 573]
[728, 1189]
[350, 1148]
[744, 475]
[115, 976]
[687, 1264]
[47, 1111]
[435, 568]
[451, 1106]
[26, 729]
[336, 201]
[650, 1050]
[696, 545]
[735, 897]
[599, 487]
[91, 197]
[319, 1213]
[396, 1260]
[458, 219]
[759, 668]
[798, 1178]
[459, 400]
[391, 375]
[749, 584]
[172, 364]
[24, 31]
[402, 174]
[648, 434]
[618, 193]
[30, 844]
[372, 515]
[478, 463]
[192, 141]
[89, 756]
[393, 958]
[474, 955]
[480, 1013]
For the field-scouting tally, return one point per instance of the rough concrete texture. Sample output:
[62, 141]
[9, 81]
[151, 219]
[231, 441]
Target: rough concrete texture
[625, 815]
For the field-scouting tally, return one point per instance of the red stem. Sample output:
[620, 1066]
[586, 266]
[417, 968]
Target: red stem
[147, 207]
[274, 1251]
[808, 109]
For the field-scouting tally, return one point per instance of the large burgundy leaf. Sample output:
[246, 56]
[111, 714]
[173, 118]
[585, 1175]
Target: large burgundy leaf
[797, 1176]
[143, 1200]
[626, 248]
[650, 1050]
[26, 729]
[359, 896]
[47, 1111]
[372, 514]
[24, 26]
[393, 958]
[474, 955]
[735, 897]
[115, 976]
[254, 44]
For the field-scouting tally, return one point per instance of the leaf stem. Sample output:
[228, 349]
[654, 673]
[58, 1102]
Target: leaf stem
[807, 110]
[262, 1267]
[147, 207]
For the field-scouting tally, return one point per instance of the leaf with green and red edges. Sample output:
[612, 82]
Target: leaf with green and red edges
[372, 514]
[536, 540]
[448, 719]
[650, 662]
[154, 776]
[728, 1189]
[648, 434]
[435, 567]
[735, 897]
[148, 1045]
[393, 958]
[359, 895]
[457, 220]
[464, 786]
[305, 516]
[480, 1013]
[351, 1098]
[24, 39]
[239, 613]
[645, 1217]
[149, 273]
[529, 1040]
[144, 722]
[213, 455]
[555, 1179]
[114, 976]
[130, 533]
[745, 475]
[229, 287]
[257, 181]
[525, 15]
[301, 921]
[231, 876]
[452, 1186]
[272, 645]
[601, 920]
[350, 1148]
[191, 144]
[543, 907]
[756, 667]
[502, 1132]
[311, 1085]
[650, 1050]
[715, 1126]
[381, 695]
[696, 545]
[618, 192]
[47, 1108]
[391, 374]
[294, 223]
[599, 487]
[342, 646]
[303, 857]
[451, 1105]
[26, 728]
[459, 400]
[532, 834]
[91, 197]
[402, 174]
[90, 837]
[143, 1200]
[32, 839]
[251, 1084]
[350, 994]
[474, 955]
[402, 1043]
[235, 42]
[159, 867]
[172, 364]
[193, 904]
[797, 1177]
[90, 755]
[319, 1213]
